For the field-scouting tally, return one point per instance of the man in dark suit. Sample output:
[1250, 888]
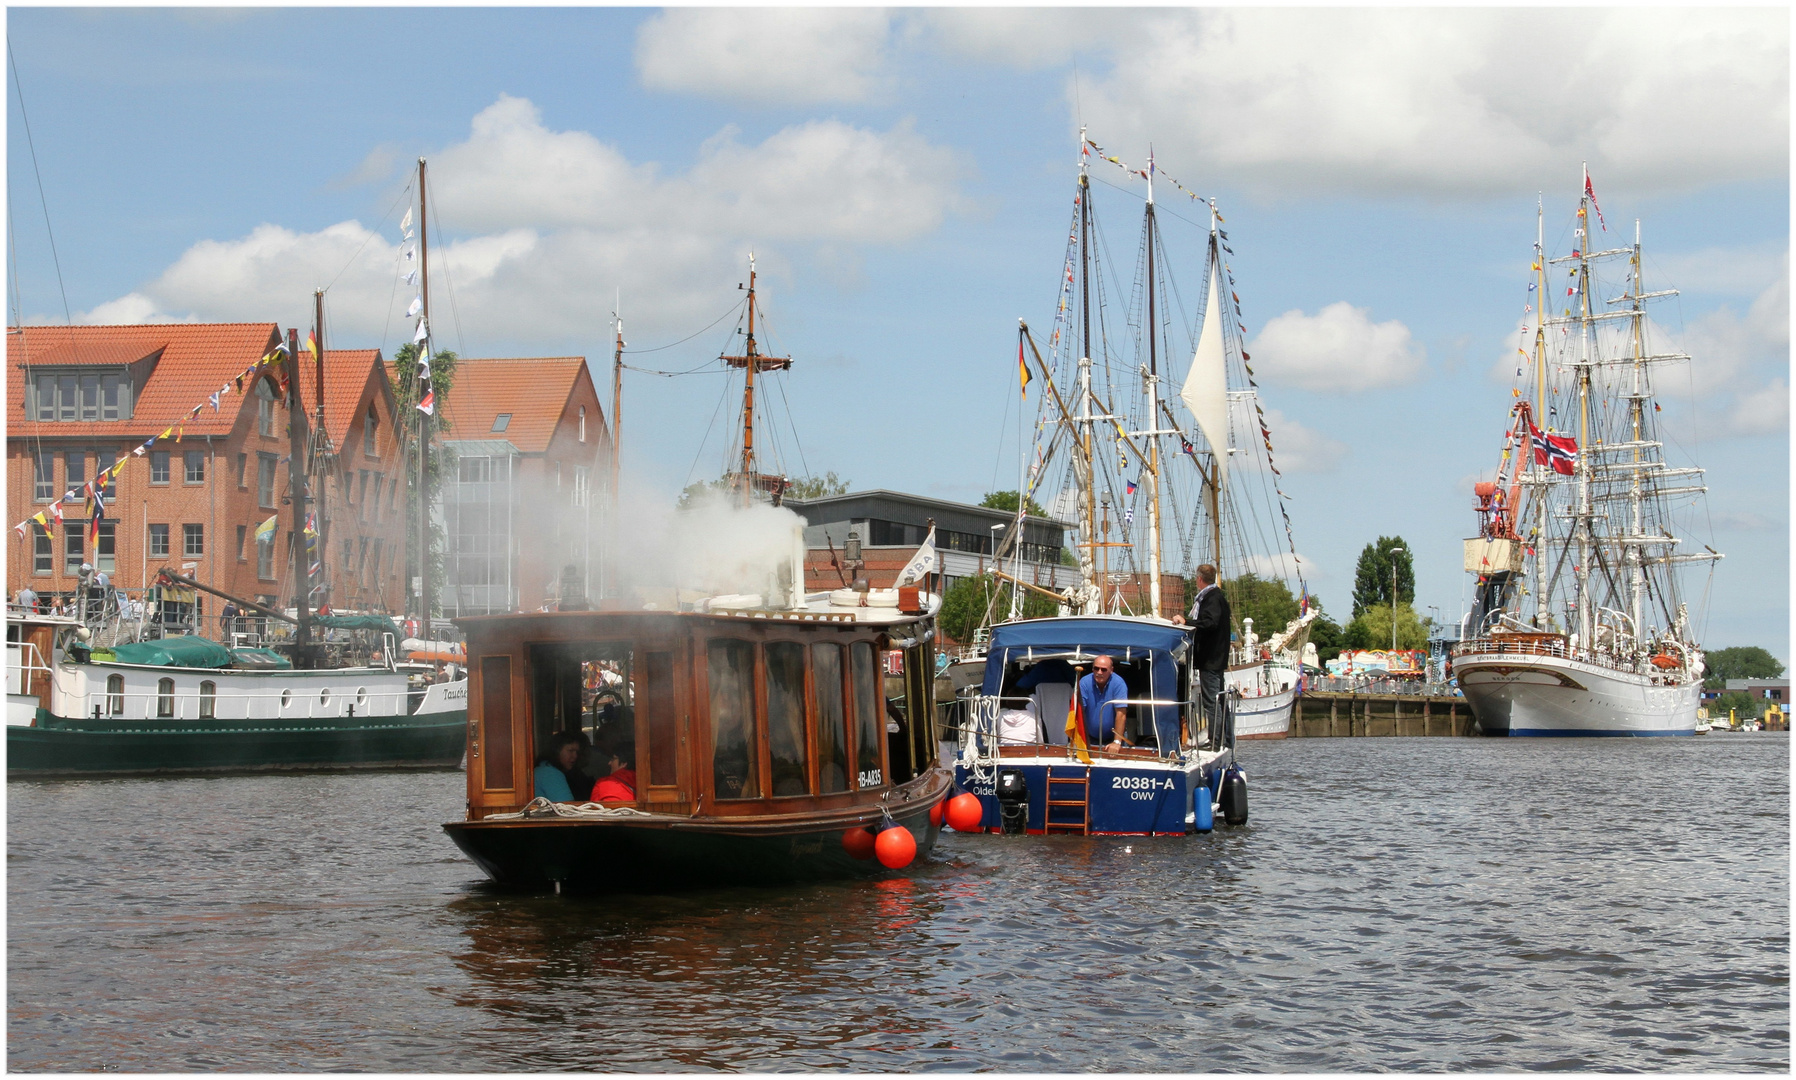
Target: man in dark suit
[1210, 626]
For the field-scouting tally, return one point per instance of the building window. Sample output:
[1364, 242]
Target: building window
[158, 541]
[582, 423]
[581, 480]
[104, 460]
[158, 466]
[242, 535]
[242, 466]
[193, 541]
[106, 547]
[165, 698]
[265, 466]
[90, 395]
[378, 545]
[502, 421]
[115, 695]
[43, 487]
[74, 546]
[369, 426]
[76, 462]
[195, 462]
[265, 557]
[361, 498]
[380, 480]
[43, 551]
[476, 470]
[264, 409]
[208, 699]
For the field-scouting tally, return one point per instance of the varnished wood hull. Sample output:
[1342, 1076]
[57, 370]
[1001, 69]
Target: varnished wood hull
[654, 853]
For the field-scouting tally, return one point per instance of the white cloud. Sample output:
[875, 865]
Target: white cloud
[1297, 448]
[1281, 566]
[773, 55]
[1338, 348]
[555, 215]
[1444, 101]
[1765, 411]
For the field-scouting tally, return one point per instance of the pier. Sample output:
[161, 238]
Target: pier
[1324, 714]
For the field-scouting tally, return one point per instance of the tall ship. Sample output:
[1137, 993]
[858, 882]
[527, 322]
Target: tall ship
[1580, 623]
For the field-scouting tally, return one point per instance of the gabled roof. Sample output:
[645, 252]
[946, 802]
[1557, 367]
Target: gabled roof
[195, 359]
[346, 375]
[535, 391]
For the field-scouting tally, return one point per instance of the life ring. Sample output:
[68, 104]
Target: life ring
[1664, 662]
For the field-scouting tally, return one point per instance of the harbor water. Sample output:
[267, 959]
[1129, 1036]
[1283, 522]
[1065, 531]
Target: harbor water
[1394, 904]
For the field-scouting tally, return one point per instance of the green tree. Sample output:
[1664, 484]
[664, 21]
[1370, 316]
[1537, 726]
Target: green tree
[1372, 628]
[1743, 704]
[1328, 637]
[1268, 602]
[817, 487]
[1740, 662]
[1006, 501]
[966, 602]
[1372, 579]
[406, 393]
[694, 490]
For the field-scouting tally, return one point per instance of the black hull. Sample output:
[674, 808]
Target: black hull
[639, 854]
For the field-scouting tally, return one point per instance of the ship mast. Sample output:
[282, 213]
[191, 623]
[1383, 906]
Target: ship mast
[1634, 554]
[1088, 483]
[1536, 472]
[1152, 378]
[423, 523]
[751, 361]
[1581, 464]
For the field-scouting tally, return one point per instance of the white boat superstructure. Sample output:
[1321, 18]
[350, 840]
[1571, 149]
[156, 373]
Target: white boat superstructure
[1579, 626]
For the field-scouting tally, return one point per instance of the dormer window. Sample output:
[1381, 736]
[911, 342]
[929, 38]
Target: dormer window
[83, 394]
[582, 423]
[368, 429]
[502, 421]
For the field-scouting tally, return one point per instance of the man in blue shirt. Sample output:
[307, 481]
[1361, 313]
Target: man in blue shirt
[1098, 692]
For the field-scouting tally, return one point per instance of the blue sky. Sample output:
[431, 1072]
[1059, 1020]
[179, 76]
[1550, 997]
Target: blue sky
[905, 181]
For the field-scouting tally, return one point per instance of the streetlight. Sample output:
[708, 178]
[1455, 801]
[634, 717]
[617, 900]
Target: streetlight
[1394, 553]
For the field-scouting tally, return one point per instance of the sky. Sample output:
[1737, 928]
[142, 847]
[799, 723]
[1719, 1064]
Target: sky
[904, 180]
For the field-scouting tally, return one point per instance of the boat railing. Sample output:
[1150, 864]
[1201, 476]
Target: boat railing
[980, 741]
[25, 666]
[1554, 646]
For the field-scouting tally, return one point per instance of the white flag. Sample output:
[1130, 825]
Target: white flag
[410, 253]
[417, 306]
[405, 223]
[922, 563]
[411, 276]
[423, 332]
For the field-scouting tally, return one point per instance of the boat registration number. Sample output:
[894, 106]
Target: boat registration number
[872, 778]
[1141, 787]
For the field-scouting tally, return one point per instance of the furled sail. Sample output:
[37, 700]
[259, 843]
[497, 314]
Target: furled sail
[1206, 385]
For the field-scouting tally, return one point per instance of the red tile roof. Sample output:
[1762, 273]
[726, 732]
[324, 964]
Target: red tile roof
[195, 360]
[346, 375]
[535, 391]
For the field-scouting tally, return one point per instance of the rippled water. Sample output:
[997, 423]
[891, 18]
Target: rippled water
[1407, 904]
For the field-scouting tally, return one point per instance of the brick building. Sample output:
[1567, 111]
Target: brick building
[525, 495]
[83, 397]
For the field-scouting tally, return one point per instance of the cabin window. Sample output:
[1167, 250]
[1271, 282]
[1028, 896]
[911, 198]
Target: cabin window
[919, 685]
[788, 746]
[658, 718]
[869, 718]
[115, 695]
[735, 758]
[495, 721]
[165, 697]
[832, 747]
[208, 699]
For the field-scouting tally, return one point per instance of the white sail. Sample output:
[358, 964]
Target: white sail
[1206, 385]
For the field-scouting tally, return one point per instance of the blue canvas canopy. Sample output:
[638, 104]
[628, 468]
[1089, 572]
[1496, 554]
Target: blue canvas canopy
[1128, 640]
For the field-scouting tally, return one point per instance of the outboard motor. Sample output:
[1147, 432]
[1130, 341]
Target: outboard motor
[1013, 802]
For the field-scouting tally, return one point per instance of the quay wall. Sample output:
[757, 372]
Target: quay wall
[1333, 714]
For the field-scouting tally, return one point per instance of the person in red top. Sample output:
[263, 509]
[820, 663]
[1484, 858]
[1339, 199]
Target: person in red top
[620, 784]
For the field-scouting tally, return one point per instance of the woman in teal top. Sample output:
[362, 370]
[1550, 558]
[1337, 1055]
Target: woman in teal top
[557, 762]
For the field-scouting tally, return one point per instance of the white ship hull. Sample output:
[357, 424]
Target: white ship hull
[1263, 711]
[1513, 694]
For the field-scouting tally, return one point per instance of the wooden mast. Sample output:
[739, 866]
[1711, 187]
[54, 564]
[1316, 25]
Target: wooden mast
[314, 466]
[751, 361]
[423, 440]
[296, 483]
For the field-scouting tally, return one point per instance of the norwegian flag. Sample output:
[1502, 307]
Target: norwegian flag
[1559, 451]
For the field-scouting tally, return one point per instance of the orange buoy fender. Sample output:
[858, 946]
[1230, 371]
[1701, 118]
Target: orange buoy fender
[937, 814]
[896, 847]
[859, 843]
[1665, 662]
[965, 812]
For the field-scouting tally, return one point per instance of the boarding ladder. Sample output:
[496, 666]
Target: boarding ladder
[1075, 781]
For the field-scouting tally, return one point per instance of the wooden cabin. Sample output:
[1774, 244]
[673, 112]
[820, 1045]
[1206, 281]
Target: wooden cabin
[727, 714]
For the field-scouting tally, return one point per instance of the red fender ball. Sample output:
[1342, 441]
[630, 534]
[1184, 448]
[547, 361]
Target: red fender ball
[937, 813]
[858, 843]
[965, 812]
[896, 847]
